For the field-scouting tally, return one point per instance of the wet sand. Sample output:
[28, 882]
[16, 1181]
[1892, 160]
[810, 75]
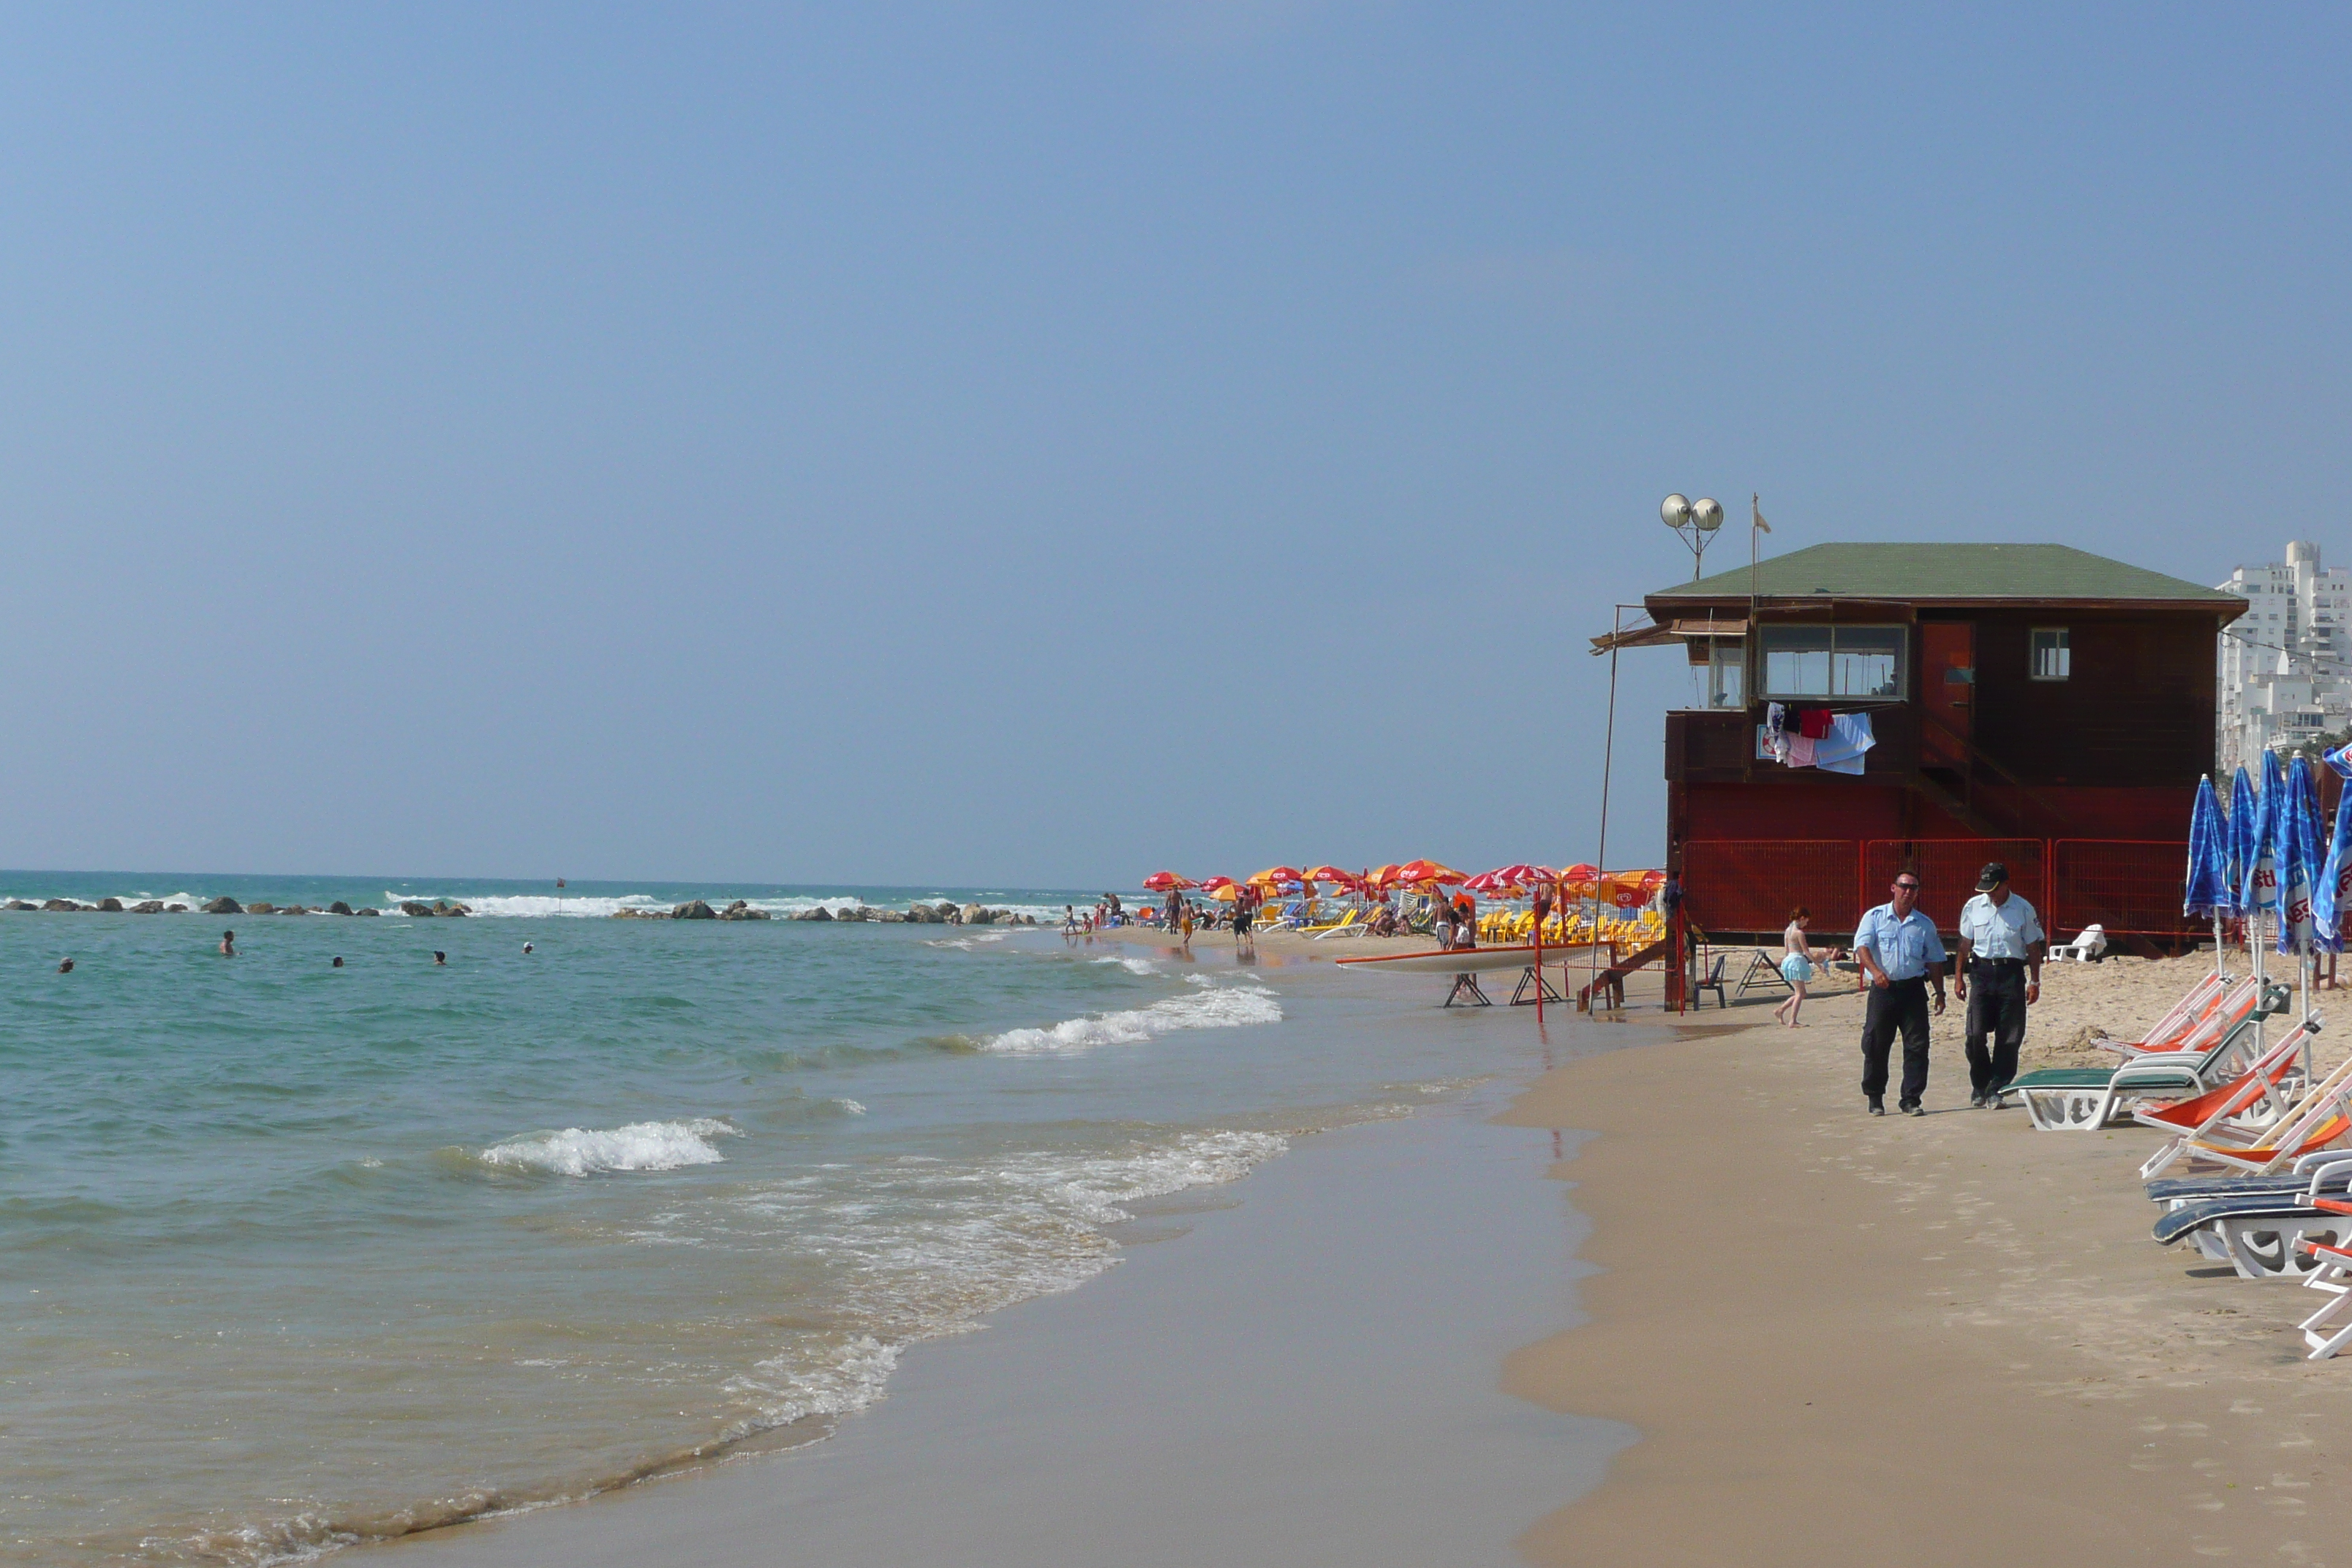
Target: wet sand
[1301, 1372]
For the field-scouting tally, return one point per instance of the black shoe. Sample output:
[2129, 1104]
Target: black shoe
[1978, 1101]
[1877, 1106]
[1913, 1108]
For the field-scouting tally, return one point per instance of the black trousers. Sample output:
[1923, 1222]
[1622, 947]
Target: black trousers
[1996, 1009]
[1899, 1005]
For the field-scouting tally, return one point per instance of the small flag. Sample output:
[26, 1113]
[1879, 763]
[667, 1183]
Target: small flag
[1754, 512]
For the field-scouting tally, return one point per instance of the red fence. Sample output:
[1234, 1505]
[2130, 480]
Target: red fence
[2131, 887]
[2125, 885]
[1947, 867]
[1751, 884]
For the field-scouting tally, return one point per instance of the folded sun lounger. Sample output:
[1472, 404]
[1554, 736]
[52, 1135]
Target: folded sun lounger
[2083, 1100]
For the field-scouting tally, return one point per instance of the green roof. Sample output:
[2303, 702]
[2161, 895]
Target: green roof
[1933, 572]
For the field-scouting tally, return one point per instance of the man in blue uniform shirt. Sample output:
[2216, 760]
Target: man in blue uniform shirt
[2001, 957]
[1902, 957]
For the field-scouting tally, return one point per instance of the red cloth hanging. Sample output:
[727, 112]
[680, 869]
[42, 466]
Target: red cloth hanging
[1813, 723]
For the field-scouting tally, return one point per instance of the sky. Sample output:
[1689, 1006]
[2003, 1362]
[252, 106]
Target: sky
[1039, 445]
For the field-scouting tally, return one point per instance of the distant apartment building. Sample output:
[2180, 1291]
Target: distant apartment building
[2285, 672]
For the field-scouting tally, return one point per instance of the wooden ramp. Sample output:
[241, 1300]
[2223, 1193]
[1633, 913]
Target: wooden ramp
[1616, 973]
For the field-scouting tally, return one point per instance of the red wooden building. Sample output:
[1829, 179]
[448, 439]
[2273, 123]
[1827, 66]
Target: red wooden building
[2029, 703]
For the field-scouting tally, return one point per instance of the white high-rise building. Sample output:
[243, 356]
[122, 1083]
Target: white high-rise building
[2286, 663]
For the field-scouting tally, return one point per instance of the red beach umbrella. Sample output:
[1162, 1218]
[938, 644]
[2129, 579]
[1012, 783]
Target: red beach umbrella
[1161, 881]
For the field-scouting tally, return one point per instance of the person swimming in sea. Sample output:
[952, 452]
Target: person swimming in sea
[440, 959]
[526, 947]
[64, 966]
[228, 944]
[339, 960]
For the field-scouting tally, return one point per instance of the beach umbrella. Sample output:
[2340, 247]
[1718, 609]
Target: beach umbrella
[2299, 857]
[1275, 876]
[2333, 889]
[2258, 892]
[1333, 873]
[2208, 872]
[1230, 892]
[1428, 871]
[2244, 811]
[1161, 881]
[1215, 883]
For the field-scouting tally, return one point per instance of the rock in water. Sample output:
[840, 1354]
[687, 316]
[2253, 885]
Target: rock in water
[149, 907]
[109, 906]
[367, 911]
[339, 908]
[443, 906]
[261, 909]
[694, 910]
[411, 907]
[818, 913]
[295, 910]
[60, 906]
[21, 904]
[223, 906]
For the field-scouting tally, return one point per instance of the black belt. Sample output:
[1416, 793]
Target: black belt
[1975, 963]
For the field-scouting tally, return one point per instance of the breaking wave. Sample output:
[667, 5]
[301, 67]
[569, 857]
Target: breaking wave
[639, 1146]
[1211, 1006]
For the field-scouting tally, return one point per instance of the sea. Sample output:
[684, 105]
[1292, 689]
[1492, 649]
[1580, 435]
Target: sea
[296, 1255]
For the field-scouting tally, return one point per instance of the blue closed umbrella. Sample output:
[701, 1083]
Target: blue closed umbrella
[2328, 893]
[2244, 808]
[2208, 855]
[2261, 886]
[2298, 858]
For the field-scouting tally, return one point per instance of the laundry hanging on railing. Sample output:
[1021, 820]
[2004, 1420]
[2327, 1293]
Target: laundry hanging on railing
[1838, 749]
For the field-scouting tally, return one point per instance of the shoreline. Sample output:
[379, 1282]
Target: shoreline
[1943, 1338]
[1209, 1400]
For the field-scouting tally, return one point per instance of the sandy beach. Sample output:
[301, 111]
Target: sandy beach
[1947, 1339]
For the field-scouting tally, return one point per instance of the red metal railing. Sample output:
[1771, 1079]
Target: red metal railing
[1751, 884]
[1947, 867]
[2131, 887]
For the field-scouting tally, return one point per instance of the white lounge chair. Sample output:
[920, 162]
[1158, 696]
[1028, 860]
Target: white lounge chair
[2087, 947]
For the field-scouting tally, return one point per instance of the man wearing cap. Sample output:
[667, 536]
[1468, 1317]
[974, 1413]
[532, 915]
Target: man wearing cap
[2001, 946]
[1901, 957]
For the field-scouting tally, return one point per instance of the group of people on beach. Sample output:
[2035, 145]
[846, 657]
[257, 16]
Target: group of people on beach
[1900, 960]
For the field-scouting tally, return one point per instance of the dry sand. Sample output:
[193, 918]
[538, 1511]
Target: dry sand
[1939, 1340]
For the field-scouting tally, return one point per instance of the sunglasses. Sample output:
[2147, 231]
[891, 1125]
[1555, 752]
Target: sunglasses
[1906, 887]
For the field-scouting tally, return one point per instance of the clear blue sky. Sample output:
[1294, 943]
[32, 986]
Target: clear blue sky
[1040, 444]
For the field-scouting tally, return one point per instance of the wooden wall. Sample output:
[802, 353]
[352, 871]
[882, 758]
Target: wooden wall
[2138, 709]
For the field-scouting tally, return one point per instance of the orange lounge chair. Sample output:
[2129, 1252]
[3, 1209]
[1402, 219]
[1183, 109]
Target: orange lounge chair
[2316, 1120]
[2251, 1102]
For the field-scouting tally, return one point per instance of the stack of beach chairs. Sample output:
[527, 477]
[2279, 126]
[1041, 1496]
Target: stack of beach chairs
[2254, 1169]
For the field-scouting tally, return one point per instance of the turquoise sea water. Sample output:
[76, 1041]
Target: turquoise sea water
[299, 1256]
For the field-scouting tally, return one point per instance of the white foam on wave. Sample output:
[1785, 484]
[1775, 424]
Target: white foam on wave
[639, 1146]
[1133, 965]
[924, 1248]
[544, 906]
[1209, 1006]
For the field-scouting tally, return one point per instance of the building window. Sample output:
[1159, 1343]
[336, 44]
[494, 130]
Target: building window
[2053, 658]
[1726, 672]
[1834, 661]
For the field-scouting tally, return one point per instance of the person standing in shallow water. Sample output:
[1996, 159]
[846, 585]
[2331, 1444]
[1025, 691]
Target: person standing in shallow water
[228, 944]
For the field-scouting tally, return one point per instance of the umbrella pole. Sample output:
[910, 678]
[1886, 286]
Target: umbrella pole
[1539, 979]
